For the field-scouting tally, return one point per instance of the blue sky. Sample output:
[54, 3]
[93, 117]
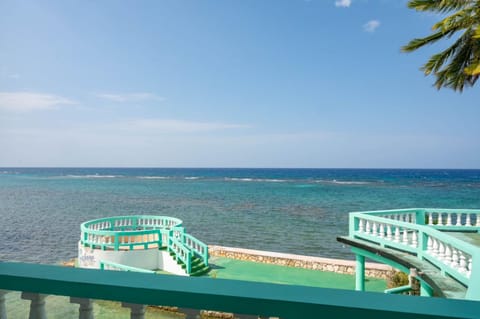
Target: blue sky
[226, 83]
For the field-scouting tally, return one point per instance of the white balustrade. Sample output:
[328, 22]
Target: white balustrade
[367, 227]
[449, 219]
[468, 222]
[37, 305]
[3, 309]
[85, 310]
[458, 221]
[405, 236]
[397, 234]
[136, 311]
[414, 239]
[361, 225]
[440, 219]
[389, 232]
[382, 230]
[455, 260]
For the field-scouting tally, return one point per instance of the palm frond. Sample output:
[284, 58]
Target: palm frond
[420, 42]
[440, 6]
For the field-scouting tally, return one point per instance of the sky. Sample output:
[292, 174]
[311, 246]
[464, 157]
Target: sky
[226, 83]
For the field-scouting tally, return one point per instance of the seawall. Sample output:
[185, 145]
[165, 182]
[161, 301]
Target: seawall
[340, 266]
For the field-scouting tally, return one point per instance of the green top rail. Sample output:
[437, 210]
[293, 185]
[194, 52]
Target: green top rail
[261, 299]
[421, 232]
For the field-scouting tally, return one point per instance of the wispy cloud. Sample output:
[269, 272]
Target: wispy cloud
[343, 3]
[130, 97]
[371, 26]
[30, 101]
[177, 126]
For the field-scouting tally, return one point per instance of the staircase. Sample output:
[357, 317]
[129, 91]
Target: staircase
[198, 267]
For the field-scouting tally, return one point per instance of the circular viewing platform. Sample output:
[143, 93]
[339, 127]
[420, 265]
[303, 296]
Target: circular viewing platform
[141, 243]
[128, 232]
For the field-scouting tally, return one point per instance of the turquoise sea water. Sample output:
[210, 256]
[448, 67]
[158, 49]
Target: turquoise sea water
[287, 210]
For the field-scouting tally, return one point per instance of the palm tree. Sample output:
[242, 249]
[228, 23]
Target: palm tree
[459, 65]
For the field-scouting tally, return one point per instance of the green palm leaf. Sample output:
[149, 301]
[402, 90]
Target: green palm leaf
[458, 65]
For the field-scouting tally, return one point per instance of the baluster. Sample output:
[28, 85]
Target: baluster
[448, 255]
[430, 245]
[463, 263]
[449, 219]
[455, 260]
[397, 234]
[434, 247]
[477, 222]
[3, 309]
[458, 222]
[468, 221]
[441, 250]
[430, 218]
[374, 229]
[136, 311]
[382, 230]
[405, 236]
[361, 225]
[440, 219]
[85, 311]
[37, 305]
[469, 270]
[389, 232]
[367, 227]
[414, 239]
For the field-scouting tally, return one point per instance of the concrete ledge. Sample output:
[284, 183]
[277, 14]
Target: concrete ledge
[341, 266]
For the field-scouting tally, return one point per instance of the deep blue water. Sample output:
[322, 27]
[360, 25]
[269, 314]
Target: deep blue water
[288, 210]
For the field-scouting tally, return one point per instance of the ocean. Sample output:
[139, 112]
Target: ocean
[299, 211]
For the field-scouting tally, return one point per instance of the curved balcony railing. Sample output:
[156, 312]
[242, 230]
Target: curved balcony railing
[422, 232]
[143, 232]
[127, 232]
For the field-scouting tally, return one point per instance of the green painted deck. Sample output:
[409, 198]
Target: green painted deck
[225, 268]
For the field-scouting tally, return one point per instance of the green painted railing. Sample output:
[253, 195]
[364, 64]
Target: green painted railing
[145, 231]
[260, 299]
[196, 246]
[108, 265]
[127, 232]
[181, 252]
[418, 231]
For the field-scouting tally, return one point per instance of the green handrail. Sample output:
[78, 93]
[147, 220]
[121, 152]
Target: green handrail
[260, 299]
[423, 233]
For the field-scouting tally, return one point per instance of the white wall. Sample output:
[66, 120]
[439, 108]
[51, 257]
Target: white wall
[151, 259]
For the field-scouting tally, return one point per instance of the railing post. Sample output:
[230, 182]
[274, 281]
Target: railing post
[360, 273]
[37, 305]
[3, 309]
[137, 311]
[85, 311]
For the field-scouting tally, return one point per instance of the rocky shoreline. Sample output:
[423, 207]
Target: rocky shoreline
[340, 266]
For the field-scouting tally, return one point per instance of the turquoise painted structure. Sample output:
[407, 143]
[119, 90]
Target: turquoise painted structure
[135, 290]
[387, 236]
[143, 232]
[421, 239]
